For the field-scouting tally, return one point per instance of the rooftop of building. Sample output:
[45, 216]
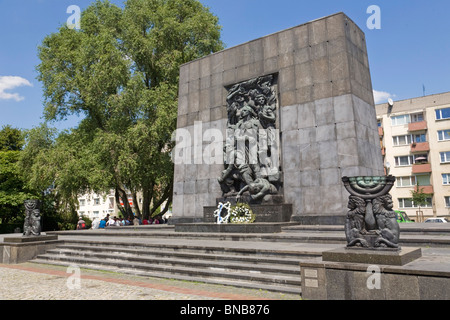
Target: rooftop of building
[413, 104]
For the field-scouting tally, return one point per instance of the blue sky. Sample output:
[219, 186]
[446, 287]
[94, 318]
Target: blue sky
[411, 50]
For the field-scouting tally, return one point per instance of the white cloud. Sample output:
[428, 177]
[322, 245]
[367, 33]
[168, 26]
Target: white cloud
[10, 83]
[381, 96]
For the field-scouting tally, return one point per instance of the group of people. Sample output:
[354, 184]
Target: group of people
[110, 221]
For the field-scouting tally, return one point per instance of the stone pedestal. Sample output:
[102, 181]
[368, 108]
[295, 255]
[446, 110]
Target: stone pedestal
[14, 250]
[361, 274]
[375, 256]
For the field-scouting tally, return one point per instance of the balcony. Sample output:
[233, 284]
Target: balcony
[421, 168]
[417, 126]
[420, 147]
[425, 189]
[380, 131]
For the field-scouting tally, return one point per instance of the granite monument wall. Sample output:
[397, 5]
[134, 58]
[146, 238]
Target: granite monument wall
[327, 119]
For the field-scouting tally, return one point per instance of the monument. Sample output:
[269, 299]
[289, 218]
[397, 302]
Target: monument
[32, 223]
[16, 249]
[276, 123]
[371, 222]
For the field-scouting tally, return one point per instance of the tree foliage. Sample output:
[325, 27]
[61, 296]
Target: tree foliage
[13, 190]
[119, 73]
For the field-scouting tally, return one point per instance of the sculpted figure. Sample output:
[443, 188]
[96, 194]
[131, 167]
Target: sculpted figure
[32, 223]
[355, 223]
[389, 229]
[251, 138]
[259, 188]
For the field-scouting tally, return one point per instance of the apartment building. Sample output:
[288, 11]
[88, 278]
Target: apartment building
[415, 143]
[93, 205]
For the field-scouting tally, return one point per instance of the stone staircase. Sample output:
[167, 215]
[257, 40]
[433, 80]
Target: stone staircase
[257, 261]
[271, 270]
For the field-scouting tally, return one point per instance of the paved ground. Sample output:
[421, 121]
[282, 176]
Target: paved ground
[41, 282]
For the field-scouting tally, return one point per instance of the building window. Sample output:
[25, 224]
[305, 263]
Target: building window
[402, 140]
[443, 135]
[406, 181]
[418, 138]
[96, 201]
[404, 161]
[423, 180]
[446, 179]
[417, 117]
[408, 203]
[447, 202]
[96, 213]
[445, 157]
[82, 202]
[443, 114]
[400, 120]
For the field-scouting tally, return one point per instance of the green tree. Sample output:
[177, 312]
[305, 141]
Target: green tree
[120, 74]
[419, 197]
[13, 190]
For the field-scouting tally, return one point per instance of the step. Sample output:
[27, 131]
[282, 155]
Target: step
[287, 289]
[263, 267]
[205, 248]
[278, 282]
[190, 255]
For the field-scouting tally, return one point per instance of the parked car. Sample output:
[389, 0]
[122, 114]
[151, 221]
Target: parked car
[402, 217]
[436, 220]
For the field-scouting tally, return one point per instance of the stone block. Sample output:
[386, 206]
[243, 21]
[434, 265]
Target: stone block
[434, 288]
[286, 44]
[301, 37]
[330, 177]
[285, 60]
[390, 257]
[202, 186]
[343, 109]
[322, 90]
[319, 51]
[339, 67]
[303, 75]
[326, 132]
[270, 46]
[306, 115]
[328, 154]
[348, 153]
[346, 130]
[310, 178]
[324, 112]
[271, 65]
[335, 25]
[305, 94]
[194, 70]
[217, 63]
[306, 136]
[178, 188]
[317, 32]
[289, 118]
[288, 98]
[320, 70]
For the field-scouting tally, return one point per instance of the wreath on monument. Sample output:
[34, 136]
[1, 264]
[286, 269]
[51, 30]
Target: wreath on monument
[241, 213]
